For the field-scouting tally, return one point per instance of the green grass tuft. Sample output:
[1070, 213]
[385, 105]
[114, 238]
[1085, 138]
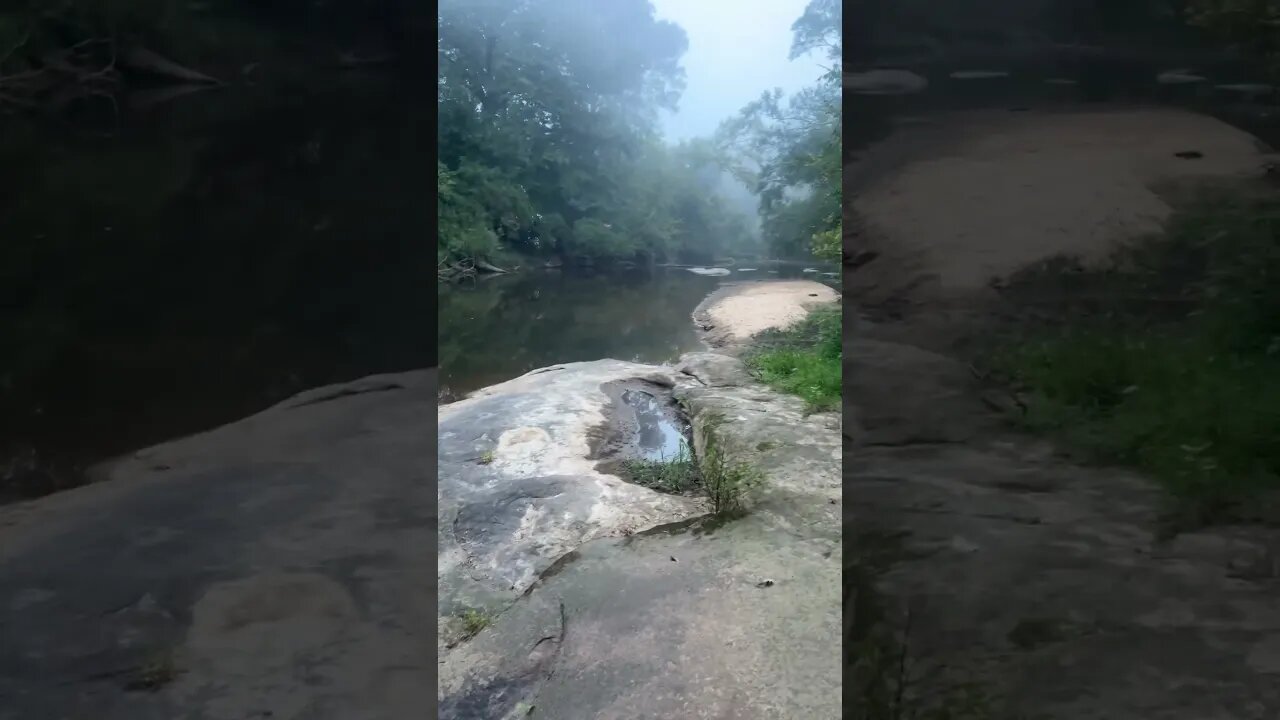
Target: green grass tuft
[804, 360]
[675, 475]
[473, 621]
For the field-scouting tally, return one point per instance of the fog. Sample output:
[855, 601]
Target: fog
[737, 49]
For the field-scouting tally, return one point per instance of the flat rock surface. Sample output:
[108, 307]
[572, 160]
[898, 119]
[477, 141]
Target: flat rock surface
[519, 487]
[268, 568]
[692, 619]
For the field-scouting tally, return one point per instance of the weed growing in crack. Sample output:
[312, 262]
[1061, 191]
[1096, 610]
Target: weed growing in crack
[727, 482]
[473, 621]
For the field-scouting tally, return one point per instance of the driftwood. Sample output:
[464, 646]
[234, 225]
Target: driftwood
[489, 268]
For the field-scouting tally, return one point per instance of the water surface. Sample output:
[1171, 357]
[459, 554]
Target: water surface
[497, 328]
[172, 268]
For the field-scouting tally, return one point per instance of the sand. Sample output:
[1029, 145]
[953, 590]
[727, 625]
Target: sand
[982, 195]
[738, 311]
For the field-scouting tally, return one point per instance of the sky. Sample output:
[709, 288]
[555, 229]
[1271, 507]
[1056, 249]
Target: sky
[737, 49]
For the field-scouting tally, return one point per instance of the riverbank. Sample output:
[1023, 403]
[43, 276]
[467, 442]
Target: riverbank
[988, 571]
[1164, 357]
[636, 602]
[788, 333]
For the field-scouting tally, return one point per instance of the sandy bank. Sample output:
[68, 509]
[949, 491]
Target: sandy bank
[1050, 584]
[736, 312]
[998, 191]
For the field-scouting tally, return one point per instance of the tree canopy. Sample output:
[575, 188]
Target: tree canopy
[788, 149]
[548, 136]
[549, 142]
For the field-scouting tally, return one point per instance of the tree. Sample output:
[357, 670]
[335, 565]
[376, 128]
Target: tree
[789, 151]
[1253, 26]
[548, 134]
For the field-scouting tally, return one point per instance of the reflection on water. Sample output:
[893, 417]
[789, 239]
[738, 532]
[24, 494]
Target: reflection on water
[660, 438]
[500, 327]
[215, 255]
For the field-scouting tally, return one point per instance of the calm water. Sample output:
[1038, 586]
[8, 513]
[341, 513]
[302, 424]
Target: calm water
[179, 266]
[497, 328]
[1061, 81]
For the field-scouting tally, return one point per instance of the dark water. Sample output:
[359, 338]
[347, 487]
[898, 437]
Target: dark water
[1066, 80]
[172, 268]
[1106, 77]
[500, 327]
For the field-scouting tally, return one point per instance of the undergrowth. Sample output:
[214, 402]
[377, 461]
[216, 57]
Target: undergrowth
[718, 471]
[804, 360]
[1191, 397]
[672, 475]
[728, 482]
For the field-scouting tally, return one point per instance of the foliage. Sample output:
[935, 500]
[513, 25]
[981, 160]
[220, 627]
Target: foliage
[728, 483]
[818, 28]
[805, 360]
[473, 621]
[1251, 25]
[547, 135]
[672, 475]
[790, 151]
[1193, 400]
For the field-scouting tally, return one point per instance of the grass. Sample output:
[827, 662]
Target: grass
[675, 475]
[804, 360]
[1193, 397]
[473, 621]
[727, 482]
[486, 457]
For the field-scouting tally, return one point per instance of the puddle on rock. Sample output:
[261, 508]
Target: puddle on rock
[659, 437]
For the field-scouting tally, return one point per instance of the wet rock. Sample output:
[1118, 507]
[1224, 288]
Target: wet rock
[979, 74]
[1179, 77]
[884, 82]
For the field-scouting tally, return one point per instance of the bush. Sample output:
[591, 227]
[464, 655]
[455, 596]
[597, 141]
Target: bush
[728, 483]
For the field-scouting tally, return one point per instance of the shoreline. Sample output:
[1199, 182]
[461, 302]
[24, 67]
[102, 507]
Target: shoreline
[729, 317]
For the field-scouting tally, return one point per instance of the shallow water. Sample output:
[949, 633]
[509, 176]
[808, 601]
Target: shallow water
[660, 438]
